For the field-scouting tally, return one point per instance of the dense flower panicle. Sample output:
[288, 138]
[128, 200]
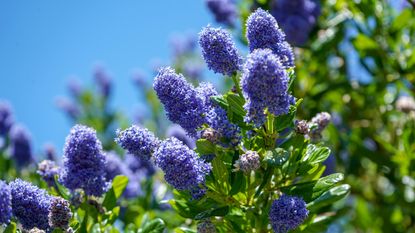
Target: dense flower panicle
[178, 132]
[74, 87]
[322, 120]
[206, 226]
[183, 45]
[6, 118]
[250, 161]
[84, 162]
[265, 86]
[36, 230]
[287, 213]
[5, 203]
[182, 102]
[60, 213]
[297, 18]
[301, 127]
[193, 70]
[219, 51]
[405, 104]
[30, 205]
[115, 166]
[138, 141]
[263, 32]
[103, 81]
[139, 165]
[211, 135]
[21, 145]
[48, 169]
[224, 11]
[218, 120]
[182, 167]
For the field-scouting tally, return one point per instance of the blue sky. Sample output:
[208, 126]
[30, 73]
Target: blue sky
[43, 43]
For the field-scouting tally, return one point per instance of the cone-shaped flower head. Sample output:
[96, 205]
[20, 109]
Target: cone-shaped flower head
[5, 203]
[21, 146]
[138, 141]
[47, 169]
[287, 213]
[265, 86]
[206, 226]
[263, 32]
[250, 161]
[6, 118]
[219, 51]
[30, 205]
[224, 11]
[182, 167]
[178, 132]
[183, 104]
[60, 213]
[84, 162]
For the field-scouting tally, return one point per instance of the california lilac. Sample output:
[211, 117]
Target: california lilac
[183, 104]
[70, 108]
[48, 169]
[30, 205]
[182, 167]
[60, 213]
[138, 141]
[5, 203]
[211, 135]
[178, 132]
[263, 32]
[198, 192]
[49, 151]
[36, 230]
[265, 86]
[103, 81]
[287, 213]
[218, 120]
[219, 51]
[224, 11]
[322, 120]
[206, 226]
[21, 146]
[74, 87]
[84, 162]
[183, 45]
[139, 165]
[250, 161]
[6, 118]
[301, 127]
[297, 18]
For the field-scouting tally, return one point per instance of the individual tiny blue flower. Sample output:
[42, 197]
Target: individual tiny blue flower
[287, 213]
[178, 132]
[297, 18]
[84, 162]
[250, 161]
[265, 86]
[60, 213]
[103, 81]
[30, 205]
[5, 203]
[182, 167]
[224, 11]
[263, 32]
[6, 118]
[183, 104]
[206, 226]
[138, 141]
[21, 146]
[219, 51]
[48, 169]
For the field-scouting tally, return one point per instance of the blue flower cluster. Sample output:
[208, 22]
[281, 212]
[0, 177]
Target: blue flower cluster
[182, 167]
[219, 51]
[265, 86]
[48, 169]
[297, 18]
[287, 213]
[21, 147]
[60, 213]
[103, 82]
[263, 32]
[84, 162]
[30, 205]
[5, 203]
[179, 133]
[6, 118]
[182, 102]
[224, 11]
[138, 141]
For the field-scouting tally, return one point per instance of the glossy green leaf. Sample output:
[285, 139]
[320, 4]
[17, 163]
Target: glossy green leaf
[329, 197]
[11, 228]
[276, 157]
[154, 226]
[205, 147]
[119, 183]
[222, 211]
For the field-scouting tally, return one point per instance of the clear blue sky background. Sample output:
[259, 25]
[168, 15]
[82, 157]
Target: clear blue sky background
[42, 43]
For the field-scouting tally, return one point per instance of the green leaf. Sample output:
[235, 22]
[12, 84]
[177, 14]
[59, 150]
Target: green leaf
[154, 226]
[119, 183]
[315, 154]
[276, 157]
[363, 42]
[236, 103]
[329, 197]
[221, 101]
[283, 121]
[238, 183]
[11, 228]
[205, 147]
[402, 20]
[63, 192]
[222, 211]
